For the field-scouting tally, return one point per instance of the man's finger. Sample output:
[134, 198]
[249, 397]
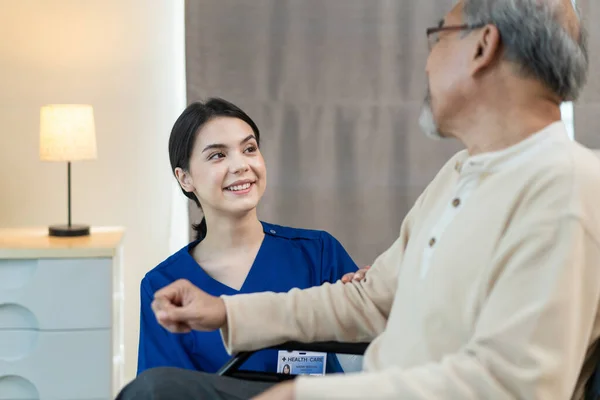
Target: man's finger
[176, 327]
[170, 319]
[167, 313]
[159, 303]
[174, 290]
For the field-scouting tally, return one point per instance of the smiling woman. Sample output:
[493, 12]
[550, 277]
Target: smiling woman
[215, 155]
[229, 139]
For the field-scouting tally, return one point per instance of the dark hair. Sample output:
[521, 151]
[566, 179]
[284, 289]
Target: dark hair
[184, 133]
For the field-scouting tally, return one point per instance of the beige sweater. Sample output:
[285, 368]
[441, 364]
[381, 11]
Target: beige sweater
[490, 292]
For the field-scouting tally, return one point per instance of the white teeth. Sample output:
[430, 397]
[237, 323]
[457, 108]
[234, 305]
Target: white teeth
[239, 187]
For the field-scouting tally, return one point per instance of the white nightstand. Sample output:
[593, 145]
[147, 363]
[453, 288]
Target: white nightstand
[61, 315]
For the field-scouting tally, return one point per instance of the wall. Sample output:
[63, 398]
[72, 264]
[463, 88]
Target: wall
[587, 108]
[127, 60]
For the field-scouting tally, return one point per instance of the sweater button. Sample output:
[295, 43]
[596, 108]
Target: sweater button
[456, 202]
[432, 242]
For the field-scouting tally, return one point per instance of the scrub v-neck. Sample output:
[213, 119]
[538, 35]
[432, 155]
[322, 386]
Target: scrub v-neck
[204, 280]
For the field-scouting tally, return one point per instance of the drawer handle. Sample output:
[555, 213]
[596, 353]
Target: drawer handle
[16, 387]
[19, 332]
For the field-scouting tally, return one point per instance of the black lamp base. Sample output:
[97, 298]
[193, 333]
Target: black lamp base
[69, 231]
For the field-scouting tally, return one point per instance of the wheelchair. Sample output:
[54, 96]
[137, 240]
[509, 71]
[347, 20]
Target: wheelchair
[232, 367]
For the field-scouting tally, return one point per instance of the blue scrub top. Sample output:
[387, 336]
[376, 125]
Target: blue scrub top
[288, 258]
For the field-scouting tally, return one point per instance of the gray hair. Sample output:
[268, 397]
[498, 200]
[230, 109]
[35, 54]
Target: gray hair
[537, 41]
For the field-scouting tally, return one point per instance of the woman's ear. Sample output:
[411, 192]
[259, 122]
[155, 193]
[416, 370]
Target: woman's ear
[185, 180]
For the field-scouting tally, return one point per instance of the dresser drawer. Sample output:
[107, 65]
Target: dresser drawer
[56, 365]
[60, 294]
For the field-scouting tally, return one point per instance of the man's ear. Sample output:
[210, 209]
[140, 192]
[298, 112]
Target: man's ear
[185, 180]
[487, 49]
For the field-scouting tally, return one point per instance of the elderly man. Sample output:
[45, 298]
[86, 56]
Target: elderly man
[492, 289]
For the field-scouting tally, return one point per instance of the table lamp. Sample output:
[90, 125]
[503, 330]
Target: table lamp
[67, 133]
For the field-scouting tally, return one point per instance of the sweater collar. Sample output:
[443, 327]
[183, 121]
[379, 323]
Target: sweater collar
[497, 160]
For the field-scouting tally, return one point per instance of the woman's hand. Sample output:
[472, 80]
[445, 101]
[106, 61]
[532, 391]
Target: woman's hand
[355, 276]
[181, 307]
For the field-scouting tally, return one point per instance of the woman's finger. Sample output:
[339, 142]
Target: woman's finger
[360, 274]
[355, 276]
[347, 277]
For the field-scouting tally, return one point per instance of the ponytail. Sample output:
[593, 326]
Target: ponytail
[200, 229]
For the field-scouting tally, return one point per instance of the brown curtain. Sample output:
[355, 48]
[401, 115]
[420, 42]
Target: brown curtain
[336, 87]
[587, 109]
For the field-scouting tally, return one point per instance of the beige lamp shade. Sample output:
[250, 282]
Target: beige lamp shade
[67, 132]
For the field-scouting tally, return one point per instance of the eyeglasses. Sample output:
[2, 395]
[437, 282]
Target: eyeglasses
[433, 34]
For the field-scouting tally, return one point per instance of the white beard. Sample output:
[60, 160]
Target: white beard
[427, 120]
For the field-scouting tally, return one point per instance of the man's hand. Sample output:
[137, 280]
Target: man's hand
[355, 276]
[181, 307]
[282, 391]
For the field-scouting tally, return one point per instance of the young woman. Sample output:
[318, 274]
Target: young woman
[215, 155]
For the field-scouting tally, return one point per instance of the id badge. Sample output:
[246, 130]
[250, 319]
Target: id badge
[301, 362]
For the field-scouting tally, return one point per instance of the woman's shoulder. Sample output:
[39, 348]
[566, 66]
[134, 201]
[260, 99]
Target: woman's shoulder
[170, 269]
[292, 233]
[325, 251]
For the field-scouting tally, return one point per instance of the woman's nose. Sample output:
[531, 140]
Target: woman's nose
[238, 165]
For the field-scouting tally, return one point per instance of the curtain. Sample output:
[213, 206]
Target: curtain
[336, 87]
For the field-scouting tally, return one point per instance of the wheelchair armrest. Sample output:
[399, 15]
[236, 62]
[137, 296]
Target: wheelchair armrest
[357, 349]
[231, 368]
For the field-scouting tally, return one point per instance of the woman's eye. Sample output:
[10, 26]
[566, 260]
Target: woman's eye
[216, 156]
[250, 149]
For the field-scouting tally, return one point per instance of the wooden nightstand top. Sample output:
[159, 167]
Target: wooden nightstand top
[35, 243]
